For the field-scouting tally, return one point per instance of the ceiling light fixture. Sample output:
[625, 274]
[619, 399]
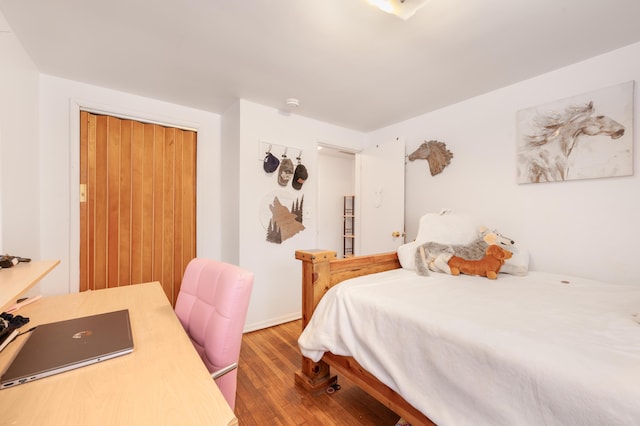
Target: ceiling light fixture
[403, 9]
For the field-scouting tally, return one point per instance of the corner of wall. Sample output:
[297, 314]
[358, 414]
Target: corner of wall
[230, 184]
[19, 162]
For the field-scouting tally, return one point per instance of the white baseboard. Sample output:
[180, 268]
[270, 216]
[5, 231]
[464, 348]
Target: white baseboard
[272, 322]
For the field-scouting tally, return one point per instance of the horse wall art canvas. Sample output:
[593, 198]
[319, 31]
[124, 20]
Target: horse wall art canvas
[583, 137]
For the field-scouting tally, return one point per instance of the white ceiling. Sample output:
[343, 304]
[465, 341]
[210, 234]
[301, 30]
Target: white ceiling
[348, 63]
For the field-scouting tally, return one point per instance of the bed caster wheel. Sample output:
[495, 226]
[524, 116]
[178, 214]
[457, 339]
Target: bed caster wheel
[334, 387]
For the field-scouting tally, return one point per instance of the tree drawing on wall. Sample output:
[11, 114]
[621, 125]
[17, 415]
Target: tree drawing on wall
[273, 233]
[284, 224]
[296, 208]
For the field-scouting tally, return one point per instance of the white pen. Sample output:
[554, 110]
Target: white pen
[23, 303]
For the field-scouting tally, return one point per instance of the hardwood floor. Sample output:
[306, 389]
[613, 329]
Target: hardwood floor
[267, 394]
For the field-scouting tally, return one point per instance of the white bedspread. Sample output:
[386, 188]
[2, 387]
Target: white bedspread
[471, 351]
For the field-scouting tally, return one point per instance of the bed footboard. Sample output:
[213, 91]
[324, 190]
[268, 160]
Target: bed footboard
[321, 270]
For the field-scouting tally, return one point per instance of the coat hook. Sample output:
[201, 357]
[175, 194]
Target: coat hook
[269, 149]
[285, 152]
[299, 157]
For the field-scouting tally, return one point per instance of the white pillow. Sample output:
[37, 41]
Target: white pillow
[406, 255]
[518, 264]
[447, 228]
[454, 228]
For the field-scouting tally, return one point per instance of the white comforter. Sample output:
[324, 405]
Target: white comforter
[466, 350]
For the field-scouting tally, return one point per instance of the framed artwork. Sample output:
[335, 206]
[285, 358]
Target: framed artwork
[582, 137]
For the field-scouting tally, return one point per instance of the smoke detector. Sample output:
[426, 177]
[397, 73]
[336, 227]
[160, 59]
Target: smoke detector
[292, 103]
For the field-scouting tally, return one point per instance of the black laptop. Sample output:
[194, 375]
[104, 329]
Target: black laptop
[66, 345]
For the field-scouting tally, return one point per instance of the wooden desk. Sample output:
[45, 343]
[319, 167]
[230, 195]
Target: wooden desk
[18, 279]
[163, 382]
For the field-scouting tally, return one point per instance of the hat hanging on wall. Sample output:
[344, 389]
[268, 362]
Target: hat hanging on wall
[285, 172]
[299, 176]
[271, 162]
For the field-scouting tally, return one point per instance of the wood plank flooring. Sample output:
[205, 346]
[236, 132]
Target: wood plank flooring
[267, 394]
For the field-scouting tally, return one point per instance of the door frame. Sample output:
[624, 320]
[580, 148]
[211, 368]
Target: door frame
[319, 183]
[77, 105]
[358, 189]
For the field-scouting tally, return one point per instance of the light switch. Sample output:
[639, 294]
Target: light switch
[83, 192]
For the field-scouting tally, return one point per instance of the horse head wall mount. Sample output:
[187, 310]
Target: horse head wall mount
[436, 153]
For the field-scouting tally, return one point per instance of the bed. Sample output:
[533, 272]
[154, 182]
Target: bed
[461, 350]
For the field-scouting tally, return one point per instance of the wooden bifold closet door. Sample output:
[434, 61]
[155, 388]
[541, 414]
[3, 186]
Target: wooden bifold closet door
[137, 203]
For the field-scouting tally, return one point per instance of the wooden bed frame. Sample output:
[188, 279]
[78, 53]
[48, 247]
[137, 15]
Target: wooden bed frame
[321, 270]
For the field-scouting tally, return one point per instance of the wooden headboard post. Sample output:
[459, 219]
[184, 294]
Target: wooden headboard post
[314, 376]
[316, 279]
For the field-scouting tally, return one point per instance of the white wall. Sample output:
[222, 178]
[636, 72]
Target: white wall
[60, 102]
[276, 293]
[588, 227]
[230, 191]
[19, 156]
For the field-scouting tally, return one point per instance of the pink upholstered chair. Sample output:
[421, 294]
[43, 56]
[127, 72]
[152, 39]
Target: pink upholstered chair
[212, 307]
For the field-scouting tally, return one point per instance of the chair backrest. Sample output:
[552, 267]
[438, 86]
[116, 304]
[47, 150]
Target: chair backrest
[212, 307]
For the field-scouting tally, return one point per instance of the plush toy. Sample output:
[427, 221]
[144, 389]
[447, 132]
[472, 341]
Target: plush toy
[488, 266]
[435, 256]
